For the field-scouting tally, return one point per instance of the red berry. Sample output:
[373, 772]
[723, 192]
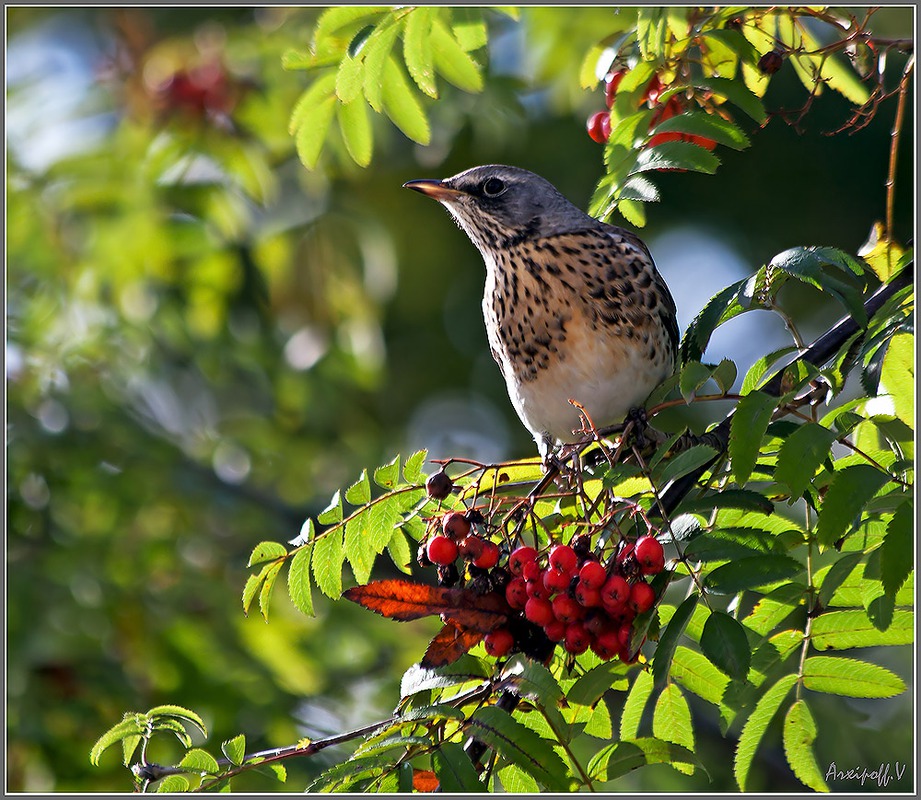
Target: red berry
[648, 551]
[489, 557]
[654, 91]
[615, 593]
[537, 587]
[597, 622]
[598, 126]
[606, 645]
[455, 525]
[531, 571]
[611, 82]
[577, 638]
[625, 552]
[516, 594]
[589, 598]
[556, 581]
[592, 575]
[642, 597]
[470, 547]
[519, 557]
[624, 632]
[567, 610]
[498, 642]
[439, 485]
[555, 631]
[441, 550]
[539, 611]
[563, 559]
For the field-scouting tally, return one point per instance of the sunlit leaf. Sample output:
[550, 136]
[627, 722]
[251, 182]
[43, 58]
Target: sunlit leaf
[749, 423]
[850, 490]
[299, 580]
[756, 725]
[843, 630]
[328, 557]
[850, 678]
[799, 735]
[452, 60]
[671, 722]
[355, 124]
[455, 770]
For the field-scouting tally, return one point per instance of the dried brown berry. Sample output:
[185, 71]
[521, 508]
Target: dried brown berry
[439, 485]
[771, 62]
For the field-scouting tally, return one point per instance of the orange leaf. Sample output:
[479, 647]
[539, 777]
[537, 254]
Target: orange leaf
[424, 780]
[449, 644]
[404, 600]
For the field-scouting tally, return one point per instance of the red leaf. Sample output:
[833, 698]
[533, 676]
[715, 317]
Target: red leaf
[404, 600]
[424, 780]
[449, 644]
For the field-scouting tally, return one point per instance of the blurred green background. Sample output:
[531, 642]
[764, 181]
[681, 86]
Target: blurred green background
[204, 341]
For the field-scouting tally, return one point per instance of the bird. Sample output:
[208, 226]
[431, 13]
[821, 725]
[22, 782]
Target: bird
[578, 318]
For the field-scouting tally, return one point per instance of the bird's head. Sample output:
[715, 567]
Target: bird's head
[498, 205]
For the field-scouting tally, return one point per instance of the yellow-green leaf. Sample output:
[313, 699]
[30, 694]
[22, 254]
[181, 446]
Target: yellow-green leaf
[799, 734]
[355, 124]
[452, 60]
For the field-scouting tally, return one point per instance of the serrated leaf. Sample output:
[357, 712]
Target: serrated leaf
[250, 588]
[299, 580]
[266, 551]
[678, 156]
[843, 630]
[180, 713]
[412, 467]
[200, 761]
[633, 211]
[332, 514]
[897, 550]
[799, 735]
[725, 374]
[417, 48]
[468, 28]
[752, 572]
[849, 677]
[696, 674]
[671, 722]
[452, 61]
[387, 475]
[685, 462]
[588, 77]
[668, 642]
[756, 725]
[589, 687]
[318, 93]
[729, 543]
[618, 759]
[376, 53]
[173, 784]
[738, 94]
[349, 79]
[749, 423]
[754, 378]
[355, 124]
[836, 576]
[516, 781]
[850, 490]
[772, 609]
[359, 550]
[339, 17]
[419, 679]
[744, 499]
[532, 680]
[723, 642]
[801, 455]
[634, 705]
[270, 573]
[693, 376]
[455, 770]
[132, 726]
[722, 307]
[639, 188]
[359, 493]
[235, 749]
[520, 745]
[709, 126]
[328, 557]
[400, 552]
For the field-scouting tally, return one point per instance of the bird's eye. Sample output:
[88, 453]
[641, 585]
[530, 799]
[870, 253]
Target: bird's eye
[493, 187]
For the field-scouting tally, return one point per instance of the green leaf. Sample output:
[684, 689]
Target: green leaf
[723, 641]
[266, 551]
[129, 745]
[751, 572]
[520, 745]
[744, 499]
[696, 674]
[412, 467]
[200, 761]
[359, 548]
[299, 580]
[725, 544]
[377, 53]
[633, 212]
[801, 455]
[270, 573]
[400, 552]
[328, 556]
[349, 79]
[634, 705]
[668, 642]
[420, 679]
[774, 608]
[335, 19]
[897, 550]
[469, 28]
[355, 124]
[132, 726]
[312, 133]
[359, 493]
[516, 781]
[738, 94]
[850, 490]
[709, 126]
[725, 374]
[180, 713]
[799, 735]
[898, 376]
[722, 307]
[305, 110]
[844, 80]
[685, 462]
[417, 48]
[850, 678]
[749, 423]
[455, 770]
[671, 722]
[387, 475]
[756, 725]
[836, 575]
[754, 378]
[452, 60]
[332, 514]
[235, 749]
[173, 784]
[676, 155]
[618, 759]
[532, 680]
[252, 585]
[589, 688]
[843, 630]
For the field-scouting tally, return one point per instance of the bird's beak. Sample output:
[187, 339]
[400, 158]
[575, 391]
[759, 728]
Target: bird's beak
[437, 190]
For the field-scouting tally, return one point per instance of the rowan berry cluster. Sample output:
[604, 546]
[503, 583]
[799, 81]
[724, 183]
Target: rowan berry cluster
[599, 123]
[564, 595]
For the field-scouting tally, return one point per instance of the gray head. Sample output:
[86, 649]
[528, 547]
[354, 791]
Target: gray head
[498, 206]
